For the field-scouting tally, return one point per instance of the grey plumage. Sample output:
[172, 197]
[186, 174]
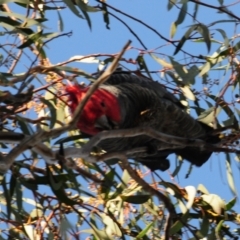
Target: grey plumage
[144, 102]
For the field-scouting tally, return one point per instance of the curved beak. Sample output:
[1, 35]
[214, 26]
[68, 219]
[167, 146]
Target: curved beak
[104, 123]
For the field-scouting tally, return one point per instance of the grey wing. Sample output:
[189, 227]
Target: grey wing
[119, 78]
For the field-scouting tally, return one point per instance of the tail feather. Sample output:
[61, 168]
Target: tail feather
[194, 155]
[155, 163]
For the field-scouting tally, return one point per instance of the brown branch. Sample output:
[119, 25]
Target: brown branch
[134, 132]
[168, 142]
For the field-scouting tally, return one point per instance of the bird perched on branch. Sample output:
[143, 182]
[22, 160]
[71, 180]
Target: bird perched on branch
[127, 101]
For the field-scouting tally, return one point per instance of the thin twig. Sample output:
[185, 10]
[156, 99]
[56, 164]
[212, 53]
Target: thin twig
[220, 8]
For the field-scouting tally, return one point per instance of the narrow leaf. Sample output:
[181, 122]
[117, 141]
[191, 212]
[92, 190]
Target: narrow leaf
[224, 35]
[173, 29]
[52, 110]
[231, 204]
[171, 3]
[60, 22]
[137, 199]
[184, 38]
[182, 14]
[83, 7]
[204, 226]
[145, 230]
[70, 4]
[230, 175]
[203, 30]
[31, 39]
[105, 16]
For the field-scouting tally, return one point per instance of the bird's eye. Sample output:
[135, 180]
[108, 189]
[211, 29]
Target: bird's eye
[103, 104]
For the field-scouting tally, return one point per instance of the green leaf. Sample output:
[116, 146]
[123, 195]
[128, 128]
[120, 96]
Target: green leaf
[216, 57]
[218, 228]
[105, 16]
[107, 182]
[75, 71]
[87, 8]
[221, 2]
[164, 63]
[125, 178]
[31, 39]
[83, 7]
[203, 30]
[111, 226]
[52, 110]
[58, 190]
[204, 226]
[236, 46]
[178, 167]
[205, 68]
[181, 70]
[192, 73]
[191, 192]
[215, 202]
[71, 6]
[173, 29]
[230, 175]
[187, 92]
[137, 199]
[97, 234]
[182, 14]
[196, 7]
[32, 22]
[171, 3]
[28, 21]
[185, 38]
[36, 213]
[3, 79]
[145, 230]
[173, 187]
[231, 204]
[64, 227]
[224, 35]
[18, 1]
[226, 109]
[202, 189]
[29, 229]
[12, 186]
[208, 115]
[9, 21]
[142, 64]
[61, 24]
[23, 125]
[7, 197]
[179, 224]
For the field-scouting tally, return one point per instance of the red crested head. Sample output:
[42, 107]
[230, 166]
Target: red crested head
[101, 112]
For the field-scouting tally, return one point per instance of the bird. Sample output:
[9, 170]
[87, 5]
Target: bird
[127, 101]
